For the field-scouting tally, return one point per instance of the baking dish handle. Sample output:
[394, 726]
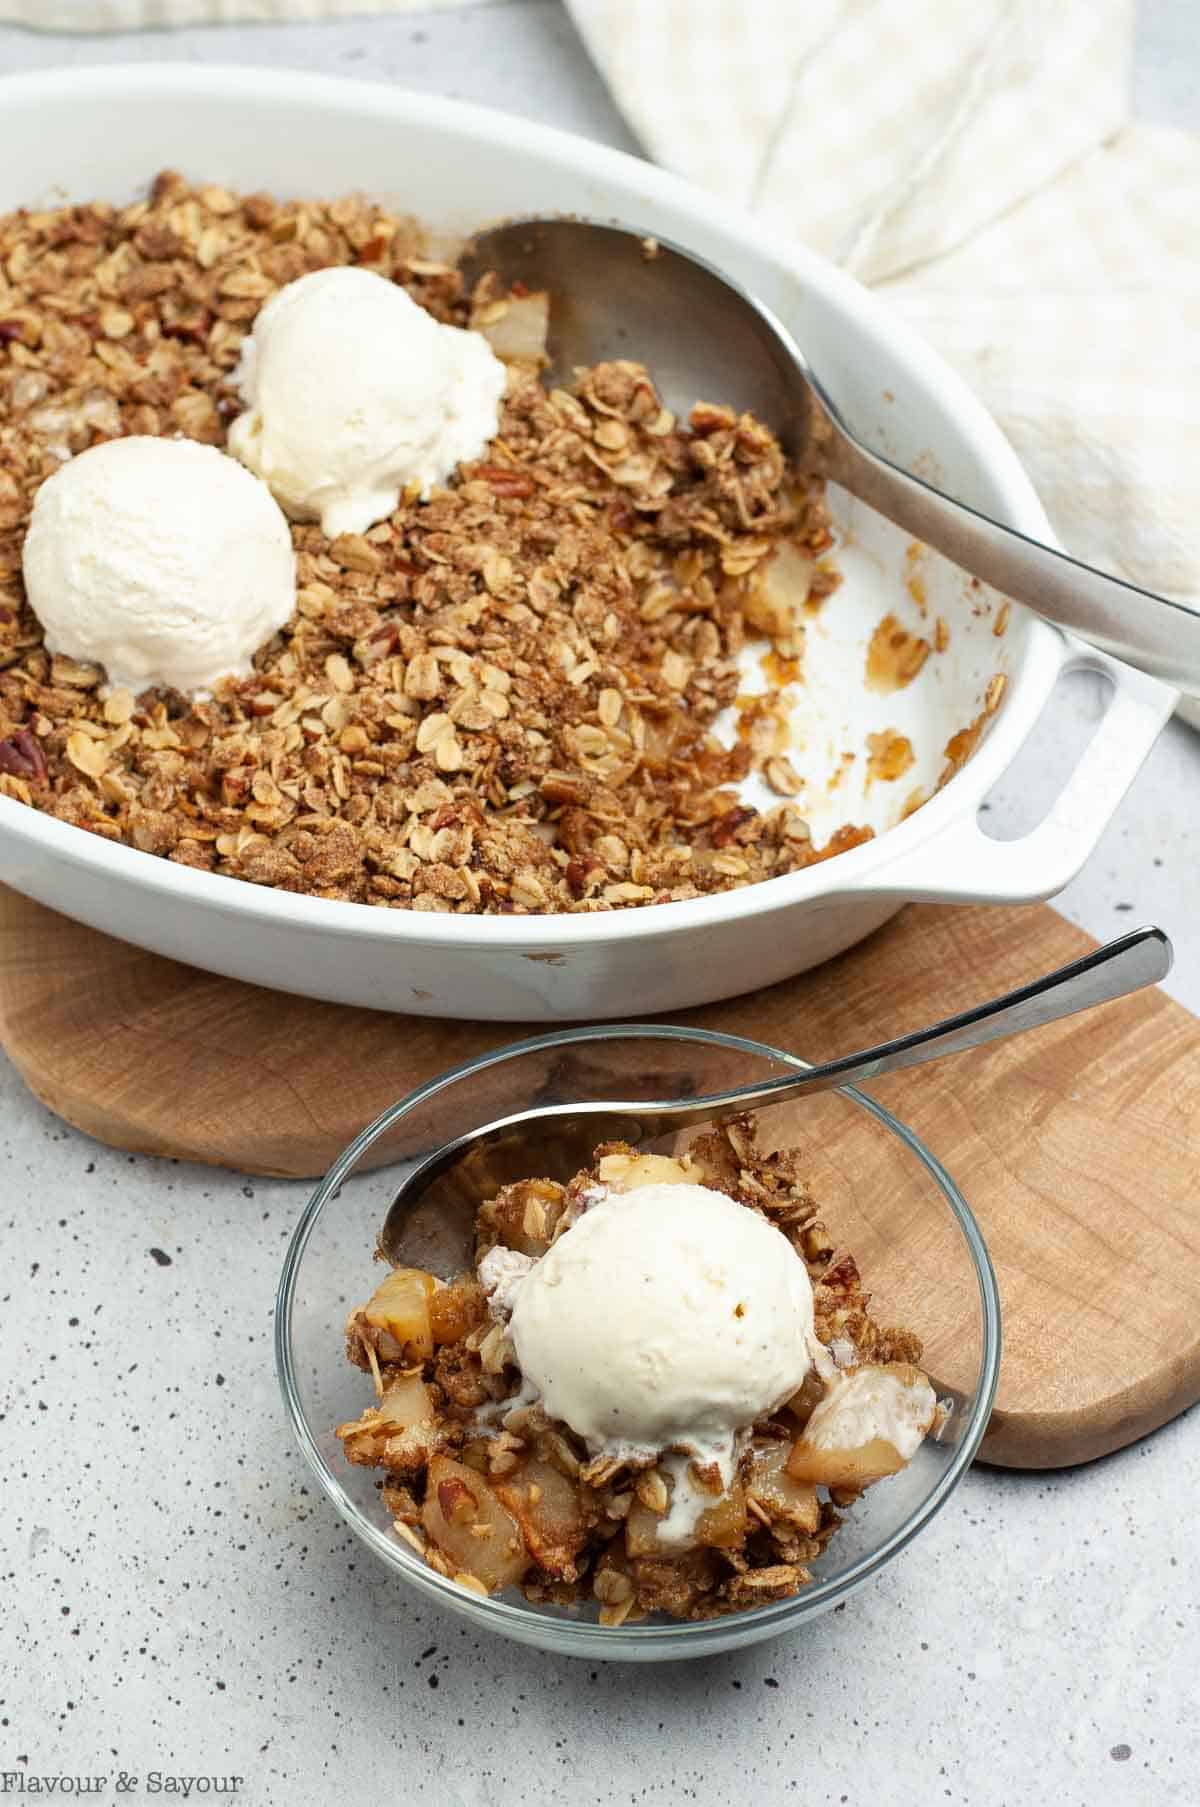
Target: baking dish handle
[963, 865]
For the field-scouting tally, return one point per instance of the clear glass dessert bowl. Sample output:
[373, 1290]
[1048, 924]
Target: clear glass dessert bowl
[881, 1194]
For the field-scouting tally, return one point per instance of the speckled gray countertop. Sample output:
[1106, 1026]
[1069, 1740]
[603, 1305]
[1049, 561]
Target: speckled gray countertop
[175, 1599]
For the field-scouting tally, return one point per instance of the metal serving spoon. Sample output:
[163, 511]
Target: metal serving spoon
[616, 294]
[431, 1222]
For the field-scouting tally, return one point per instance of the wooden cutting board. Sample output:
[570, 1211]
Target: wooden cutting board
[1077, 1145]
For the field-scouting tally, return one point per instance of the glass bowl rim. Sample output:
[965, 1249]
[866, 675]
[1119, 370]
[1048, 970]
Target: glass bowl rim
[673, 1638]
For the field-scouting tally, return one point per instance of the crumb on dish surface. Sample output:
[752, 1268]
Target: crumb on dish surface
[494, 1493]
[498, 700]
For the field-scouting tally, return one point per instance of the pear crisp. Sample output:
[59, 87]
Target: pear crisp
[498, 700]
[495, 1493]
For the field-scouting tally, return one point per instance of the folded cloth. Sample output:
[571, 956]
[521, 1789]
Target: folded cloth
[977, 165]
[132, 15]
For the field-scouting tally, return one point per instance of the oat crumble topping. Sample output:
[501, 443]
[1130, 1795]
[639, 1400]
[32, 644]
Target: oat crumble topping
[500, 700]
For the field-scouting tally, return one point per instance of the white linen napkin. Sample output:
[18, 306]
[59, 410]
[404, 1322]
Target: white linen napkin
[975, 163]
[139, 15]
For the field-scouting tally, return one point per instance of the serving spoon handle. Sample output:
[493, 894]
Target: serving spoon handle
[432, 1217]
[1145, 629]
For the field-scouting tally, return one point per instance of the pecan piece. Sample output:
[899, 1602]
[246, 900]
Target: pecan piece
[506, 481]
[727, 825]
[21, 756]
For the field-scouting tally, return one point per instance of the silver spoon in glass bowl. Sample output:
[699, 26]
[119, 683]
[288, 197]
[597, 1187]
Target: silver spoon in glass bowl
[616, 294]
[431, 1222]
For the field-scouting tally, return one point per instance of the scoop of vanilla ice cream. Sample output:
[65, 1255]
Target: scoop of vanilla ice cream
[160, 559]
[666, 1316]
[353, 392]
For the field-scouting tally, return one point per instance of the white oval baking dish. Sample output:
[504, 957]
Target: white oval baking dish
[76, 135]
